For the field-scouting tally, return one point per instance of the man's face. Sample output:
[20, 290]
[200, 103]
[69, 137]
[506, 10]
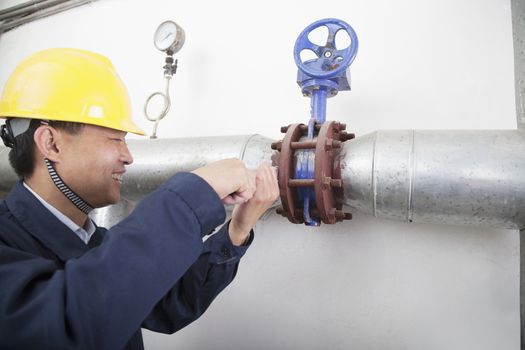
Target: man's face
[93, 163]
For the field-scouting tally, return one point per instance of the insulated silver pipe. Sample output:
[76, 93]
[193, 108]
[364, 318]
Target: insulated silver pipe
[44, 9]
[518, 33]
[451, 177]
[20, 6]
[156, 160]
[32, 6]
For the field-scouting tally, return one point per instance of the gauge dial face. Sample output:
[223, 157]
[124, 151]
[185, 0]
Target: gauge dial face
[166, 35]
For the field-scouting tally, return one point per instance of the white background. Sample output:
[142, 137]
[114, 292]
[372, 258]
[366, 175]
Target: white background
[363, 284]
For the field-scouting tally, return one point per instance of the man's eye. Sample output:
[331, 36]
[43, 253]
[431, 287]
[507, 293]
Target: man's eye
[119, 141]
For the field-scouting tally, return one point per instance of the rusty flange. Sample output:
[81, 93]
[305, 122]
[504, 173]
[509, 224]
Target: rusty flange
[286, 172]
[327, 183]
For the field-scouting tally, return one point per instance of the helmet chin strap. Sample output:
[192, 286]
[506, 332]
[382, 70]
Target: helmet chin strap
[81, 204]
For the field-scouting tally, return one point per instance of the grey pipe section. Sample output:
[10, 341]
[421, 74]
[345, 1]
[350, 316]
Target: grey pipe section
[15, 21]
[156, 160]
[20, 6]
[32, 6]
[518, 34]
[452, 177]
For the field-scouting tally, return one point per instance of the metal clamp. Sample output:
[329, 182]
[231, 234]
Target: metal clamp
[326, 178]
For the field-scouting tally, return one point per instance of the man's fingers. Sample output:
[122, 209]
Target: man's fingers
[245, 192]
[261, 184]
[233, 199]
[228, 200]
[237, 198]
[267, 187]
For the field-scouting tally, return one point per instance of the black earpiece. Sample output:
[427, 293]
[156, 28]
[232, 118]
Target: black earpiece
[7, 135]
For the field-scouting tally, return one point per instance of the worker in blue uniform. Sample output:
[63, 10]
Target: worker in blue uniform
[66, 283]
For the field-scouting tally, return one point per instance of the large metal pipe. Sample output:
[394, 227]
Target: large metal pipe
[13, 18]
[20, 6]
[453, 177]
[518, 33]
[467, 177]
[156, 160]
[32, 6]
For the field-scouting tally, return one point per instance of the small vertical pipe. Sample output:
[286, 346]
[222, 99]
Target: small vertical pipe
[318, 115]
[518, 32]
[318, 103]
[522, 287]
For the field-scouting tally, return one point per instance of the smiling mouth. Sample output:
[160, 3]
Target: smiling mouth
[117, 177]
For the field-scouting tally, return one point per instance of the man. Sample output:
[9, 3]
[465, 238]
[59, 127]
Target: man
[65, 283]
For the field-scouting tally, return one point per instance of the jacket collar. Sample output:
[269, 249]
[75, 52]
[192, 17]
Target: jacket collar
[45, 227]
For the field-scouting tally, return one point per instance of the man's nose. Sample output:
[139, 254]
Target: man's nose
[126, 156]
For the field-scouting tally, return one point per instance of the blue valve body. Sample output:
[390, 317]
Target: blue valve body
[320, 79]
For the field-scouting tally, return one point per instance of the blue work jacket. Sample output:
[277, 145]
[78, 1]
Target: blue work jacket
[151, 270]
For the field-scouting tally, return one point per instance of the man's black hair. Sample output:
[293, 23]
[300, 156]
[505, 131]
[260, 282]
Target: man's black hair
[22, 155]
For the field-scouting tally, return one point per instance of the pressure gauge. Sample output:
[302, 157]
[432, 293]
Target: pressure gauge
[169, 37]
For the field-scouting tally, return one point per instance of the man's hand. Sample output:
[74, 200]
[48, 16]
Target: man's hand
[230, 179]
[245, 215]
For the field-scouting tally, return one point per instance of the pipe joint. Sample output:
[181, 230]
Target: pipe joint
[326, 185]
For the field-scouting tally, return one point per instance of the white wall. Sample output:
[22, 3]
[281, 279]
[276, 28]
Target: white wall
[363, 284]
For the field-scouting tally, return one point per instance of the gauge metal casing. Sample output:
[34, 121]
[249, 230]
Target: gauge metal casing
[169, 37]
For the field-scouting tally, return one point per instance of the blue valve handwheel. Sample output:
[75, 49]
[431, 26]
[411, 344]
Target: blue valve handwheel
[330, 61]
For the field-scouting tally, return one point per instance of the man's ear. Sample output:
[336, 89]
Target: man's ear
[47, 140]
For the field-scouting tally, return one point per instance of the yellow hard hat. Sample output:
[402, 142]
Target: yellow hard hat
[68, 85]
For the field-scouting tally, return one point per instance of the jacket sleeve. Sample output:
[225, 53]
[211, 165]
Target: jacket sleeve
[99, 300]
[194, 292]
